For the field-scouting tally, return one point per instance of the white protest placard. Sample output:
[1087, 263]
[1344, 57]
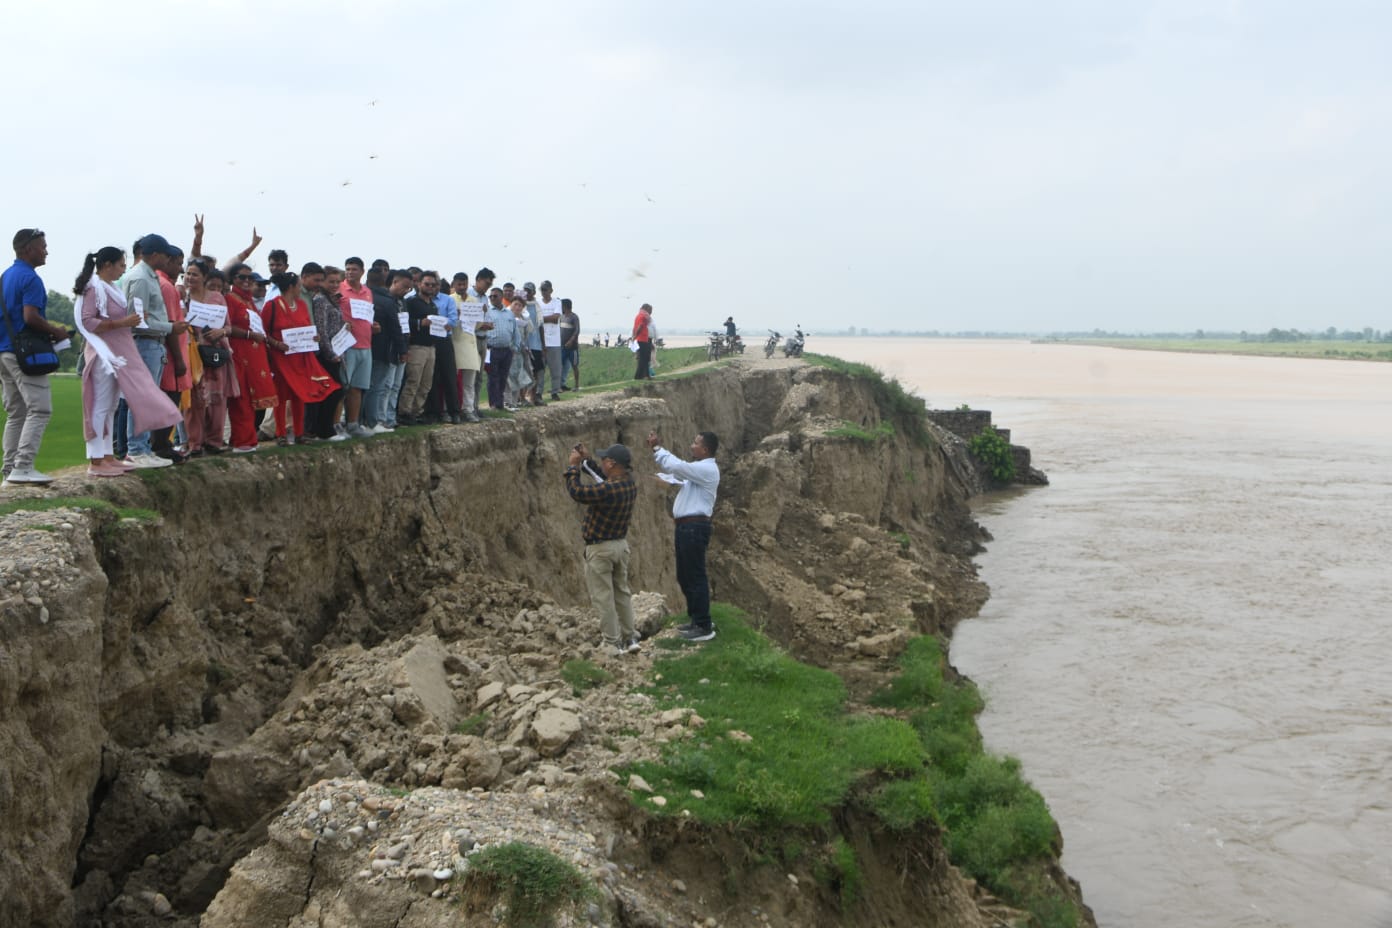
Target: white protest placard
[206, 315]
[360, 309]
[633, 347]
[470, 314]
[138, 307]
[437, 326]
[551, 334]
[63, 345]
[405, 320]
[300, 339]
[254, 322]
[342, 341]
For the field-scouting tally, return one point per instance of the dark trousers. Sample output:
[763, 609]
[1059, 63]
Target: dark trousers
[644, 371]
[319, 417]
[500, 362]
[692, 540]
[446, 381]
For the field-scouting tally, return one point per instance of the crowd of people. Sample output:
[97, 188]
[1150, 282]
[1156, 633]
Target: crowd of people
[185, 357]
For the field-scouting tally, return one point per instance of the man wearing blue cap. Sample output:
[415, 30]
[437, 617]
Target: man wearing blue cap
[145, 299]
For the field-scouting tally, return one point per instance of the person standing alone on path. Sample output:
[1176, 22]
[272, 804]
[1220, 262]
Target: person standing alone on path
[643, 339]
[692, 511]
[605, 531]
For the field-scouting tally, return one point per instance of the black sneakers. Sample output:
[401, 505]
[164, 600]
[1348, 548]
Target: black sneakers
[696, 633]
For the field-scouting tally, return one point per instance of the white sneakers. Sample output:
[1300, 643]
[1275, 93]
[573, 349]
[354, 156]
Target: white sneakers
[27, 476]
[148, 460]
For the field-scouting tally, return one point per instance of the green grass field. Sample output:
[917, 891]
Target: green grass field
[1333, 350]
[600, 369]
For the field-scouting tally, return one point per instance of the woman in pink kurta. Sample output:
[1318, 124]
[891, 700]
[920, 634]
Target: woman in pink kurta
[113, 368]
[212, 386]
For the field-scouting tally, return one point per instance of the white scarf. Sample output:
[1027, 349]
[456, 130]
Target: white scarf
[110, 361]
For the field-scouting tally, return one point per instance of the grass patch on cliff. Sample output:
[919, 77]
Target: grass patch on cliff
[865, 436]
[584, 675]
[533, 882]
[90, 503]
[894, 402]
[998, 828]
[779, 747]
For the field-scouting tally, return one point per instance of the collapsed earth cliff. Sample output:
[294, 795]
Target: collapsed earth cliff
[295, 689]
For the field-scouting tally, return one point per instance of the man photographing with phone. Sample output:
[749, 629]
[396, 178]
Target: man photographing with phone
[605, 530]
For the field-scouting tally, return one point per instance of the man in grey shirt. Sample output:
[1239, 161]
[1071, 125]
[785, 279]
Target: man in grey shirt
[143, 297]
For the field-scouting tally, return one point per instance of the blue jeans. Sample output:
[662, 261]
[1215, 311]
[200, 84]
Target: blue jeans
[392, 392]
[692, 540]
[372, 399]
[570, 359]
[152, 353]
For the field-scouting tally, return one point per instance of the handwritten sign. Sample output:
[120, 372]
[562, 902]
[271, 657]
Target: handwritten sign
[360, 309]
[437, 326]
[254, 322]
[342, 341]
[206, 315]
[551, 334]
[470, 314]
[300, 339]
[404, 319]
[138, 307]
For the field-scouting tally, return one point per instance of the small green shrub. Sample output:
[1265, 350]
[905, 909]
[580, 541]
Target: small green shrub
[905, 542]
[865, 436]
[990, 448]
[534, 882]
[473, 725]
[902, 804]
[841, 872]
[584, 675]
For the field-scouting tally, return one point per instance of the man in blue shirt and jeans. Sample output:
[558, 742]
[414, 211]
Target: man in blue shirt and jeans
[28, 398]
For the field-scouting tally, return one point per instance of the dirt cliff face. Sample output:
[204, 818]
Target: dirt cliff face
[172, 689]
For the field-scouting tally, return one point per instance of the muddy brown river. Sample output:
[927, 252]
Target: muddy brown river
[1189, 638]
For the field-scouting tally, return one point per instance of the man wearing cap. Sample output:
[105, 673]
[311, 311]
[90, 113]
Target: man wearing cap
[145, 299]
[28, 398]
[695, 503]
[605, 531]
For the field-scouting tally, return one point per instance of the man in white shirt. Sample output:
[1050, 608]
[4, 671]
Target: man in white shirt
[692, 510]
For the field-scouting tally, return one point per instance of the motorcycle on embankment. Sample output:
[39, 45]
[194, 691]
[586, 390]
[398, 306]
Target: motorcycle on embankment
[792, 348]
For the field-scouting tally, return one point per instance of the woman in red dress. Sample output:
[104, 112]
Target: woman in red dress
[248, 335]
[299, 377]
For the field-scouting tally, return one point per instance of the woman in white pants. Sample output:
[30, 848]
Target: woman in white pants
[109, 373]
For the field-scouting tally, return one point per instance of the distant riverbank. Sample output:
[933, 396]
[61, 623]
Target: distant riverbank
[1328, 349]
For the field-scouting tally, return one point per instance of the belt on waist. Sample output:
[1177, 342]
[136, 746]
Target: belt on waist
[600, 541]
[150, 335]
[683, 520]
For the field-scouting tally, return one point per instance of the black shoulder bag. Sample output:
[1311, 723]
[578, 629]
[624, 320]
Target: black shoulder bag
[33, 350]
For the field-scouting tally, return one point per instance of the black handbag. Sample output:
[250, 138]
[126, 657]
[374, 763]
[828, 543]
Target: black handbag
[33, 350]
[214, 356]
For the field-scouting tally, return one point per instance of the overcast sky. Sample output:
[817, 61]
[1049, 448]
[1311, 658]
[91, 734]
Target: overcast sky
[1026, 166]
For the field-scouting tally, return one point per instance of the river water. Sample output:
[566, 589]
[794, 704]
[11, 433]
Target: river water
[1189, 638]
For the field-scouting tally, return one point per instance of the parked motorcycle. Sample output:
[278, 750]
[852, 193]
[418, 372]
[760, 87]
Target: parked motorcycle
[772, 344]
[733, 345]
[622, 341]
[714, 346]
[792, 348]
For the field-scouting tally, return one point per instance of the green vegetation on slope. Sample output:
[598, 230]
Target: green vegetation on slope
[999, 829]
[890, 396]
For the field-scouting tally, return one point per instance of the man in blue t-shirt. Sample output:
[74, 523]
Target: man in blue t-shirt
[28, 399]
